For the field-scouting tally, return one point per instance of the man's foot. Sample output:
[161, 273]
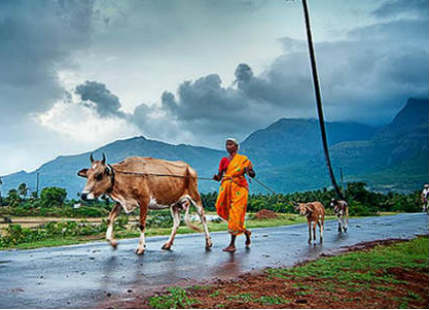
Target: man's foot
[230, 249]
[248, 233]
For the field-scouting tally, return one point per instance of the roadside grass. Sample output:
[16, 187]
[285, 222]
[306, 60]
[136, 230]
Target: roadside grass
[282, 219]
[386, 276]
[176, 298]
[369, 268]
[272, 300]
[132, 232]
[243, 297]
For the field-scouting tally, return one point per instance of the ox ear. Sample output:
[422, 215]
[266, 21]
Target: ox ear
[83, 173]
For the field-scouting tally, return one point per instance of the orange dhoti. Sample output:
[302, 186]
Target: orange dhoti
[231, 203]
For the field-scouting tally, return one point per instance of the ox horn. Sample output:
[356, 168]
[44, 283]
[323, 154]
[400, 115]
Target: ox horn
[103, 161]
[91, 158]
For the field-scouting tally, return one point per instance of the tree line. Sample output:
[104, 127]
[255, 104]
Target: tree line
[53, 202]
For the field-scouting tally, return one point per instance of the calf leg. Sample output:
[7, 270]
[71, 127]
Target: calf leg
[200, 211]
[143, 214]
[110, 222]
[176, 222]
[320, 222]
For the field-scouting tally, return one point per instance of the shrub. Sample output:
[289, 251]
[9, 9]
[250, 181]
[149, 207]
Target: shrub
[89, 212]
[53, 196]
[357, 209]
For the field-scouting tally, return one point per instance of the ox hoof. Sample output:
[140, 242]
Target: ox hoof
[166, 246]
[345, 229]
[140, 251]
[309, 241]
[114, 244]
[209, 244]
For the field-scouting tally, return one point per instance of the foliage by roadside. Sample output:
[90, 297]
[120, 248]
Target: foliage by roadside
[158, 223]
[362, 202]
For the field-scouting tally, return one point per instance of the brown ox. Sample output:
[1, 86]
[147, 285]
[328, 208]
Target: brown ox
[341, 209]
[315, 213]
[132, 183]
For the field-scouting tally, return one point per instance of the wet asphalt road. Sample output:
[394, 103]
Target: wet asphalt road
[88, 275]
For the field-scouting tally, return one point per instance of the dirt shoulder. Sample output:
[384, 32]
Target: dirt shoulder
[379, 274]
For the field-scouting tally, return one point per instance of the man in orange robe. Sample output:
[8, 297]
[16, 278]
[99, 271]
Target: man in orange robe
[231, 202]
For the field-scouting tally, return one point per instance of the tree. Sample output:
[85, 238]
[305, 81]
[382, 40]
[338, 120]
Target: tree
[13, 198]
[23, 190]
[53, 196]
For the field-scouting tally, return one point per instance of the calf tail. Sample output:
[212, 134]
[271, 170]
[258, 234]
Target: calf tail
[188, 220]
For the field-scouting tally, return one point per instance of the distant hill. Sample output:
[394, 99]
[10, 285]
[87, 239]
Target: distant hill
[394, 157]
[297, 140]
[61, 171]
[287, 155]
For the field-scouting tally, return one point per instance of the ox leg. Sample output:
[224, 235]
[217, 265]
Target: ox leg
[314, 230]
[143, 214]
[176, 222]
[200, 211]
[345, 222]
[110, 222]
[309, 231]
[339, 224]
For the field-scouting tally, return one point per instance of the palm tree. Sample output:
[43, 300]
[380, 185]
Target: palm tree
[23, 190]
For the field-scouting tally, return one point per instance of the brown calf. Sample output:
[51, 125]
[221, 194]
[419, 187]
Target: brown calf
[315, 213]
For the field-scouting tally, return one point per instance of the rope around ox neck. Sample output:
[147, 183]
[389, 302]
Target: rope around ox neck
[183, 176]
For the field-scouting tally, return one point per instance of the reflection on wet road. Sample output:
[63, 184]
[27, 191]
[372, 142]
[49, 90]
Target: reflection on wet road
[84, 275]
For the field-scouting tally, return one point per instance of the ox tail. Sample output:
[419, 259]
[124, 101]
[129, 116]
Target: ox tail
[188, 220]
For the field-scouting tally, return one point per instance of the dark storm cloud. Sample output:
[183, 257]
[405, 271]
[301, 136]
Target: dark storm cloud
[97, 96]
[392, 8]
[37, 38]
[367, 78]
[207, 108]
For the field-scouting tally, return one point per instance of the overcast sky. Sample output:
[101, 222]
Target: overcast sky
[75, 75]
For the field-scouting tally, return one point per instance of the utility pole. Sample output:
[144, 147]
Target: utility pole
[319, 98]
[1, 202]
[37, 185]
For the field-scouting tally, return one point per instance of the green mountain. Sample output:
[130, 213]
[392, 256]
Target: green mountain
[287, 155]
[296, 140]
[394, 157]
